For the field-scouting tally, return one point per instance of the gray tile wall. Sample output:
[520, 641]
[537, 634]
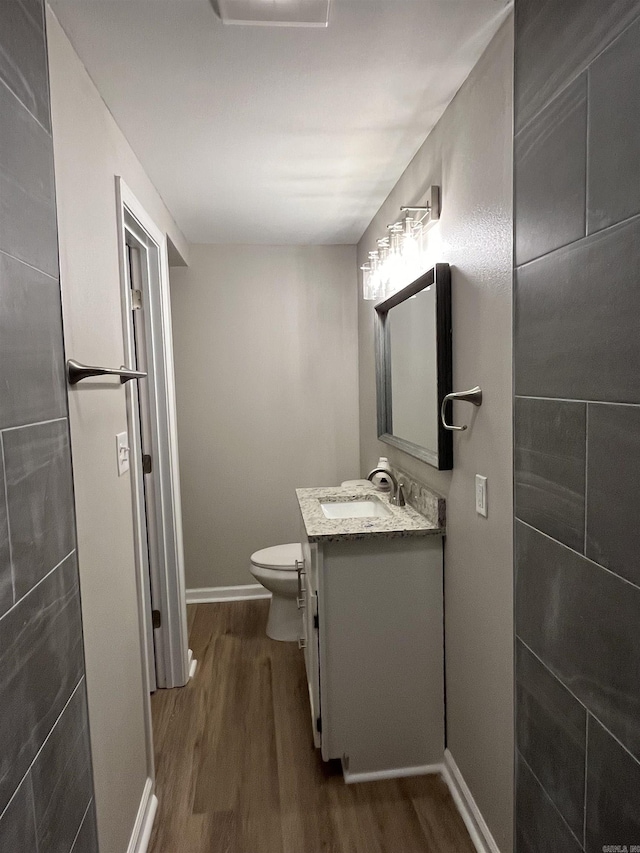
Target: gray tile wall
[577, 424]
[46, 789]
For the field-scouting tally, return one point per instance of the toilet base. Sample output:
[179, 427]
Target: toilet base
[284, 622]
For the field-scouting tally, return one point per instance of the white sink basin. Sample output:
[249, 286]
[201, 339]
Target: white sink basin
[366, 508]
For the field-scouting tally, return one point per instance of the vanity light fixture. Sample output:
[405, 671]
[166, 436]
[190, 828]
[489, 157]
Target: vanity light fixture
[401, 257]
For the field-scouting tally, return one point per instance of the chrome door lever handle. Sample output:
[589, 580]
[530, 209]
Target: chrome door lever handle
[76, 372]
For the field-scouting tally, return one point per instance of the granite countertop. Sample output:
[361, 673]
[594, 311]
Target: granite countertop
[403, 521]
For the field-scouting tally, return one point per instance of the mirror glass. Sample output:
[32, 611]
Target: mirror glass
[413, 367]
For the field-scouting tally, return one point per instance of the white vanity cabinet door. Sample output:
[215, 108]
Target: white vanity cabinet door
[381, 655]
[310, 634]
[372, 630]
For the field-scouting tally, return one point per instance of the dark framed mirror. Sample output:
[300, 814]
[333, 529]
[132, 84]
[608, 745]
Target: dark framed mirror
[414, 367]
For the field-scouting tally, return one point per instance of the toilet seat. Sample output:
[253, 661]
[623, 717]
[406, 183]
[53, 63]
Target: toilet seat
[278, 557]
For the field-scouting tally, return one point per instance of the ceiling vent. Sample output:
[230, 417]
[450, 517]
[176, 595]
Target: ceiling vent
[275, 13]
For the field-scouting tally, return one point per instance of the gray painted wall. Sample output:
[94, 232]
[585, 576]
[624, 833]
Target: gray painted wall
[469, 154]
[577, 424]
[265, 346]
[90, 150]
[46, 792]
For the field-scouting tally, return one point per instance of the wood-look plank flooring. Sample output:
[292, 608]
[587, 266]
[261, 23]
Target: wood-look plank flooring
[237, 771]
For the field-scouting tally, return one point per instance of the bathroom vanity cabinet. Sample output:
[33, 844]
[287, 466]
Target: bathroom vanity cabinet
[372, 632]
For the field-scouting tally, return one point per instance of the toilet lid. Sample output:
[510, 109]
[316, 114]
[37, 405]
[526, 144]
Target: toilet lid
[280, 557]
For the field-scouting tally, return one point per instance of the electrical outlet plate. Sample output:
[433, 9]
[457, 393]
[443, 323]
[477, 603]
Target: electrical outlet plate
[481, 495]
[122, 451]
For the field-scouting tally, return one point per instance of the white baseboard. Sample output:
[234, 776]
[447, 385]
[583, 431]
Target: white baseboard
[394, 773]
[144, 820]
[211, 594]
[469, 812]
[471, 815]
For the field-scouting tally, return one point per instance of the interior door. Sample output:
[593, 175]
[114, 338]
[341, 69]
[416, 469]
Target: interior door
[151, 411]
[135, 270]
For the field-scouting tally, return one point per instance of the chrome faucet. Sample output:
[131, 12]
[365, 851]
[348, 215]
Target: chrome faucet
[396, 497]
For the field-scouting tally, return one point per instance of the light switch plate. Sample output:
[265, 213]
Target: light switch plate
[481, 495]
[122, 450]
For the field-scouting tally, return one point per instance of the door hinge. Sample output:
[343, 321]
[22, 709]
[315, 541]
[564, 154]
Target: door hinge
[319, 725]
[136, 300]
[316, 621]
[147, 466]
[156, 619]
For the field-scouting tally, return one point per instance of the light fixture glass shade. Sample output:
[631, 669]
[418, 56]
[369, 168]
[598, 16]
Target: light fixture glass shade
[412, 259]
[371, 279]
[395, 273]
[433, 248]
[384, 266]
[367, 281]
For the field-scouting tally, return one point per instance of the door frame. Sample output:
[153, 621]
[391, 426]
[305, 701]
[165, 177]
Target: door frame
[173, 659]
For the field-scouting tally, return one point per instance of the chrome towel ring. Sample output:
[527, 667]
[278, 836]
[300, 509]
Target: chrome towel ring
[474, 395]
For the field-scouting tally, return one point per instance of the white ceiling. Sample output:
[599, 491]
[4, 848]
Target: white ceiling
[277, 135]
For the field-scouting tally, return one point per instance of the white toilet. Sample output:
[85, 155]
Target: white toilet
[275, 568]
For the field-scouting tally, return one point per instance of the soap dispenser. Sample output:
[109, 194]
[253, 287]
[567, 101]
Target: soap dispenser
[382, 483]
